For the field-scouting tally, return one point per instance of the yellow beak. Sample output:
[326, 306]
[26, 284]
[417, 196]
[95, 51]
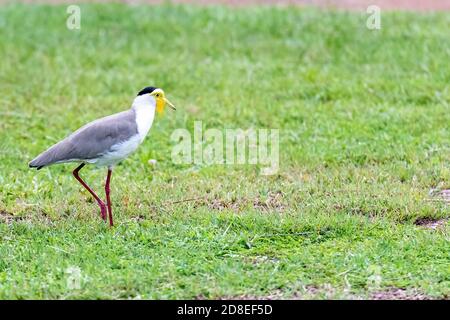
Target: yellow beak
[170, 104]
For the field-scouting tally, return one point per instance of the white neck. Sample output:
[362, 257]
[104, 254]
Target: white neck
[144, 106]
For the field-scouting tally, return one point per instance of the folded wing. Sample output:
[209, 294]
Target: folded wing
[90, 141]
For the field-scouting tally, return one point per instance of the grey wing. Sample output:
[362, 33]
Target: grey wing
[90, 141]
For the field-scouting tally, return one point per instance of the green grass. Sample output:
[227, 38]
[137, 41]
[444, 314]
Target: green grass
[364, 134]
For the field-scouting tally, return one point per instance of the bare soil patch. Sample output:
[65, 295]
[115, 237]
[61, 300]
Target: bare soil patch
[430, 223]
[8, 217]
[445, 194]
[314, 292]
[399, 294]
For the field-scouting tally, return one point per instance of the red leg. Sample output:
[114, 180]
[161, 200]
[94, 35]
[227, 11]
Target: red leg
[100, 202]
[108, 199]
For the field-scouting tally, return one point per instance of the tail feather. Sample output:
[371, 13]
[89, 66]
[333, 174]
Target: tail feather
[39, 162]
[46, 158]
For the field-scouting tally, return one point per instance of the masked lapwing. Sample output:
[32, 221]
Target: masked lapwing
[107, 141]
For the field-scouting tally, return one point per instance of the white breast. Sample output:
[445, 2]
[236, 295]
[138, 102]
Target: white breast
[119, 152]
[145, 113]
[144, 108]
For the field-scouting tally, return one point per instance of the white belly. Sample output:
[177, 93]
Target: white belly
[118, 152]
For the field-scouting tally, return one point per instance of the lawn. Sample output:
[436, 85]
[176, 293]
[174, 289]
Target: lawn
[364, 135]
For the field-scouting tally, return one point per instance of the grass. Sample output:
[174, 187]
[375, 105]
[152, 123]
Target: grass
[364, 135]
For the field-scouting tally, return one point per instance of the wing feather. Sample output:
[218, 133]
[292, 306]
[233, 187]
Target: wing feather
[91, 140]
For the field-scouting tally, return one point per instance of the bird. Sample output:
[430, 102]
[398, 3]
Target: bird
[107, 141]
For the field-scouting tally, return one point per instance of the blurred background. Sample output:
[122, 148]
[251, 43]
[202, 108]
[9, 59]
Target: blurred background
[342, 4]
[358, 209]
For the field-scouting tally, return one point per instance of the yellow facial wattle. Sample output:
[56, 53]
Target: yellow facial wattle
[160, 103]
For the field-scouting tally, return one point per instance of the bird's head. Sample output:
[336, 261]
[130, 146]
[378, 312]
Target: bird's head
[154, 97]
